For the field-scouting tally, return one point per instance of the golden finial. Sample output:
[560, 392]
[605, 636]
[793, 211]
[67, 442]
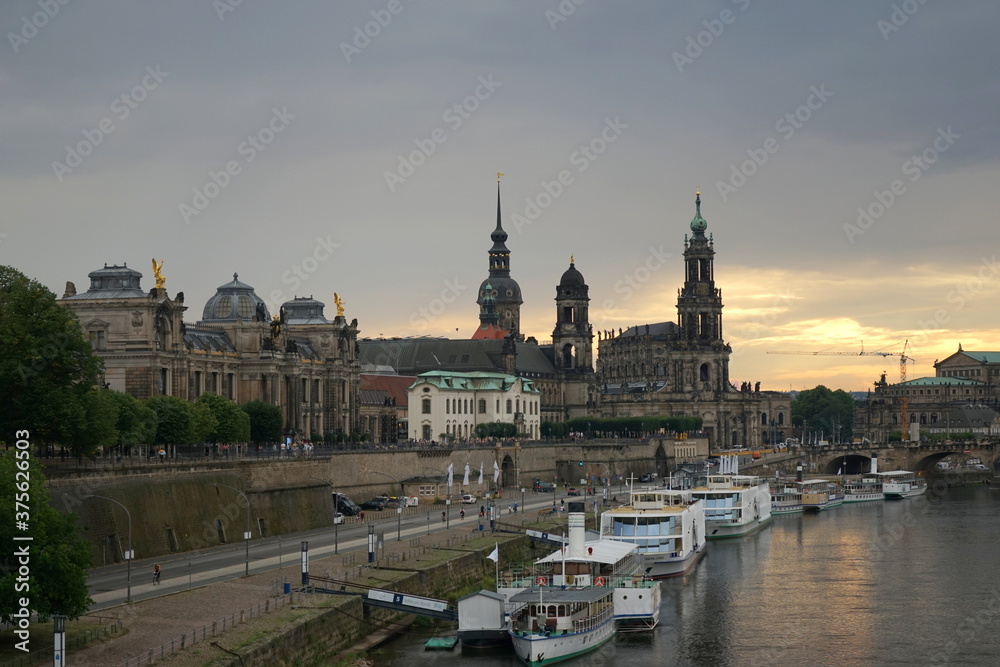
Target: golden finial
[571, 260]
[340, 304]
[697, 191]
[499, 175]
[160, 280]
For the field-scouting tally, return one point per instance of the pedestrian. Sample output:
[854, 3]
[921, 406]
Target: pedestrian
[361, 516]
[461, 513]
[482, 511]
[163, 454]
[444, 517]
[156, 574]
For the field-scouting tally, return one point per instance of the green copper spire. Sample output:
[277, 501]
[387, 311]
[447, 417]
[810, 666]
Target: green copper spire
[698, 223]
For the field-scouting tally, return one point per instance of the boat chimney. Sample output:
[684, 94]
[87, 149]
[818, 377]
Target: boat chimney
[874, 463]
[798, 472]
[577, 530]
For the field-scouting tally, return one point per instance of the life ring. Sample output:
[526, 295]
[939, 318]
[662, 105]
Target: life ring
[541, 581]
[599, 581]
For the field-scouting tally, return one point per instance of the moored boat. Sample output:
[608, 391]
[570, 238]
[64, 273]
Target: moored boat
[667, 525]
[735, 505]
[786, 498]
[820, 494]
[582, 563]
[898, 484]
[549, 625]
[863, 489]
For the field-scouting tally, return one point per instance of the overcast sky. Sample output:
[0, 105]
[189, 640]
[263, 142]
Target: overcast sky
[352, 147]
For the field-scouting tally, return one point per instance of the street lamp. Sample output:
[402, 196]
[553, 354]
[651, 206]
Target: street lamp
[246, 535]
[336, 532]
[399, 508]
[128, 554]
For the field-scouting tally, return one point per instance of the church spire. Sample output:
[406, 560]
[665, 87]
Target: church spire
[698, 223]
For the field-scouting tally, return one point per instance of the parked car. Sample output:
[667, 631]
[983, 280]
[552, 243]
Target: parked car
[573, 492]
[546, 487]
[980, 466]
[338, 518]
[375, 504]
[647, 478]
[394, 503]
[412, 501]
[468, 499]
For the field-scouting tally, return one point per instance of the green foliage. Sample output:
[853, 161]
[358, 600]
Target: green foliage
[59, 557]
[265, 421]
[136, 422]
[231, 423]
[101, 417]
[496, 430]
[174, 420]
[46, 366]
[622, 426]
[821, 409]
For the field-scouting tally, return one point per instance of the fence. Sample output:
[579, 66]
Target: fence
[44, 655]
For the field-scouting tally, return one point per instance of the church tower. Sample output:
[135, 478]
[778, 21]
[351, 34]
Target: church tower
[506, 292]
[699, 302]
[572, 339]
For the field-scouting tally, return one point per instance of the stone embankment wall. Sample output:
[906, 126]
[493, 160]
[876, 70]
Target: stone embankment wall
[176, 507]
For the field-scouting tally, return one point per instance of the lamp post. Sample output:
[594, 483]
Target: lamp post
[399, 509]
[336, 532]
[246, 535]
[128, 554]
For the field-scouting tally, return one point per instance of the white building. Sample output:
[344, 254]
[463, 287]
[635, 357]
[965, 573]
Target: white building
[454, 403]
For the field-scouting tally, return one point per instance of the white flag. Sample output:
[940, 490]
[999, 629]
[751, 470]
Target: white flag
[451, 473]
[496, 472]
[480, 474]
[495, 554]
[465, 480]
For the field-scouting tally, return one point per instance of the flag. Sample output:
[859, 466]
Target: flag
[465, 480]
[451, 473]
[495, 554]
[496, 472]
[480, 474]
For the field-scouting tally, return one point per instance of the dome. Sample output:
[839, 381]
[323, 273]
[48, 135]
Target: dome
[505, 290]
[304, 310]
[235, 300]
[572, 277]
[698, 223]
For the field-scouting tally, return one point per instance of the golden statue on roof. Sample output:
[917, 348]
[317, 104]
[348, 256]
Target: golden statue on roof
[160, 280]
[339, 303]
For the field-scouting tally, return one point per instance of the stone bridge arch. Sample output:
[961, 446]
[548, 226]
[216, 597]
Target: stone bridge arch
[660, 461]
[508, 472]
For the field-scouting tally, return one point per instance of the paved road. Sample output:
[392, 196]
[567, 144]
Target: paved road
[108, 585]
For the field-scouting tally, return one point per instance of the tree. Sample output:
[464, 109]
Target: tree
[824, 410]
[136, 421]
[47, 367]
[265, 421]
[232, 423]
[55, 580]
[174, 420]
[496, 430]
[101, 412]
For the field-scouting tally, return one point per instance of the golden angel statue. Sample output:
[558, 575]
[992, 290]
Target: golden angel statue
[160, 280]
[340, 304]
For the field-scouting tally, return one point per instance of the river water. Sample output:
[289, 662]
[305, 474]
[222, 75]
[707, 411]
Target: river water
[909, 582]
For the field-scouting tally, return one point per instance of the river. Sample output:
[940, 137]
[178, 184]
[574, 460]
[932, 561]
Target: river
[909, 582]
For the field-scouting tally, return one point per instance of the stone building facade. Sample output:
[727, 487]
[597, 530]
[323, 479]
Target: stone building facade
[298, 360]
[681, 368]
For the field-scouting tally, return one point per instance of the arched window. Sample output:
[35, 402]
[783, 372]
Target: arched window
[426, 406]
[510, 405]
[703, 372]
[763, 419]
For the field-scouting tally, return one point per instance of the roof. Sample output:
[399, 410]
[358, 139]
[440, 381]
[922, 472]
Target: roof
[489, 332]
[476, 380]
[393, 385]
[208, 339]
[655, 329]
[985, 357]
[112, 282]
[607, 552]
[941, 381]
[562, 595]
[373, 397]
[484, 594]
[413, 356]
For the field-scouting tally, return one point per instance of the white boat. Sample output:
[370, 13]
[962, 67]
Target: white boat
[898, 484]
[549, 625]
[820, 494]
[863, 489]
[786, 498]
[667, 525]
[603, 563]
[735, 505]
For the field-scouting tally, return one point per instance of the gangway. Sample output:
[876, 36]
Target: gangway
[386, 599]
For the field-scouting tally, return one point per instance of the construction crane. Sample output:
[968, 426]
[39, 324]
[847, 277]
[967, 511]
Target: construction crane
[904, 358]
